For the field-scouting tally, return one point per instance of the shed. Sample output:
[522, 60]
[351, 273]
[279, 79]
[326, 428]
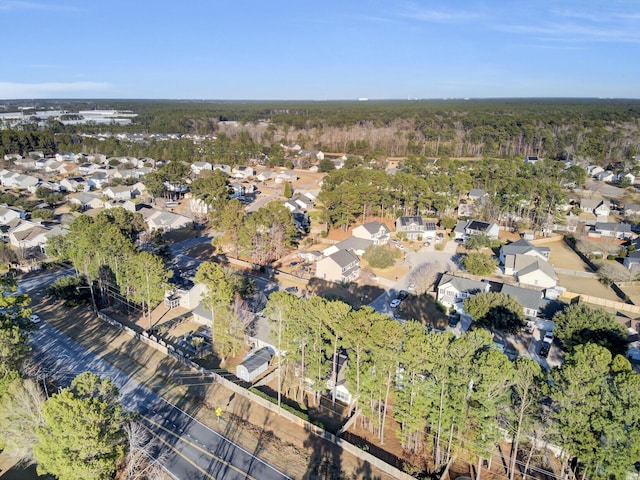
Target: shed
[254, 365]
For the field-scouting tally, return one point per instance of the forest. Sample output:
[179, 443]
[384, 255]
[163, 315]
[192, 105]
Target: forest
[600, 130]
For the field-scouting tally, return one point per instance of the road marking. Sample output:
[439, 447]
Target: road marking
[184, 457]
[203, 450]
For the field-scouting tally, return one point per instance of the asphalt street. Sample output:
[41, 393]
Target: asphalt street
[196, 451]
[41, 280]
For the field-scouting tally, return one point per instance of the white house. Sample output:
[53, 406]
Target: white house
[531, 270]
[165, 221]
[452, 290]
[522, 247]
[464, 229]
[598, 206]
[242, 171]
[197, 167]
[118, 193]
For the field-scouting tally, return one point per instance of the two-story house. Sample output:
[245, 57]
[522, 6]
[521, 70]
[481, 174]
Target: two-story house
[341, 266]
[377, 232]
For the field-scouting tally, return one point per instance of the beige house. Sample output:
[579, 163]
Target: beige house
[341, 266]
[377, 232]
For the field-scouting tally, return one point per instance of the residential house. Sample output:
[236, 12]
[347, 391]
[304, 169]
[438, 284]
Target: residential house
[164, 221]
[118, 193]
[242, 171]
[285, 176]
[531, 270]
[341, 266]
[265, 175]
[67, 169]
[522, 247]
[10, 213]
[342, 392]
[26, 163]
[197, 167]
[465, 228]
[303, 202]
[317, 154]
[593, 170]
[353, 244]
[529, 299]
[88, 168]
[632, 261]
[466, 209]
[621, 231]
[631, 209]
[238, 188]
[630, 177]
[478, 195]
[377, 232]
[452, 290]
[223, 168]
[26, 235]
[606, 176]
[87, 200]
[412, 227]
[598, 206]
[75, 184]
[18, 181]
[98, 180]
[126, 204]
[531, 159]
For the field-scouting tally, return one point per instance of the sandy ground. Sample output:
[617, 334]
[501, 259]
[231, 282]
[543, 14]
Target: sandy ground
[279, 442]
[563, 257]
[587, 286]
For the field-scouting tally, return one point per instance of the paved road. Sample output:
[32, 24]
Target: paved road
[40, 281]
[196, 451]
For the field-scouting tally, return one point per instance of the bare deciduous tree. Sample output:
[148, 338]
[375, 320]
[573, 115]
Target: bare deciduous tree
[142, 461]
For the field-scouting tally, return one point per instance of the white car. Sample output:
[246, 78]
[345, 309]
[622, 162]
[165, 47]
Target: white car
[395, 302]
[35, 318]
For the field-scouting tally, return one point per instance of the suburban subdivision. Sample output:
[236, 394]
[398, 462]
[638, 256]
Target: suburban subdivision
[272, 292]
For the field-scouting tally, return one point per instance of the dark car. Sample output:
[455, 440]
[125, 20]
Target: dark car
[454, 320]
[402, 294]
[544, 349]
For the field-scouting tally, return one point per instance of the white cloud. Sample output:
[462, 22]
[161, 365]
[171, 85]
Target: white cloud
[429, 15]
[11, 90]
[16, 5]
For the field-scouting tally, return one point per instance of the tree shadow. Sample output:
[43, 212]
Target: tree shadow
[351, 293]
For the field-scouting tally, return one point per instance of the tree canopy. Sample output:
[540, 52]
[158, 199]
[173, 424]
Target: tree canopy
[495, 310]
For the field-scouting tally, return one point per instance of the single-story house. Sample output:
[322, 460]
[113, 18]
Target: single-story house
[531, 270]
[452, 290]
[242, 171]
[613, 230]
[531, 159]
[10, 213]
[126, 204]
[197, 167]
[165, 221]
[464, 229]
[477, 195]
[353, 244]
[631, 209]
[597, 206]
[118, 193]
[87, 200]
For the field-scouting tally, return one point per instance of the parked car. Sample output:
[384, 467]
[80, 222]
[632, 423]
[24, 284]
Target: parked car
[294, 264]
[530, 326]
[395, 303]
[548, 337]
[544, 349]
[454, 320]
[35, 318]
[402, 294]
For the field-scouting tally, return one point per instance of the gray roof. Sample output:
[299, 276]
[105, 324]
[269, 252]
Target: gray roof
[463, 284]
[613, 227]
[374, 227]
[343, 258]
[634, 207]
[257, 360]
[404, 221]
[536, 264]
[527, 297]
[520, 247]
[477, 193]
[354, 243]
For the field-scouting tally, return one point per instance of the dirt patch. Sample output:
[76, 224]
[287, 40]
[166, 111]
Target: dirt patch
[562, 256]
[587, 286]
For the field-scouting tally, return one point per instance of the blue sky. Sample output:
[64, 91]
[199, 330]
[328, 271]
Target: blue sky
[324, 49]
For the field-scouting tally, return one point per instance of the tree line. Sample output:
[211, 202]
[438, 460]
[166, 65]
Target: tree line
[450, 394]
